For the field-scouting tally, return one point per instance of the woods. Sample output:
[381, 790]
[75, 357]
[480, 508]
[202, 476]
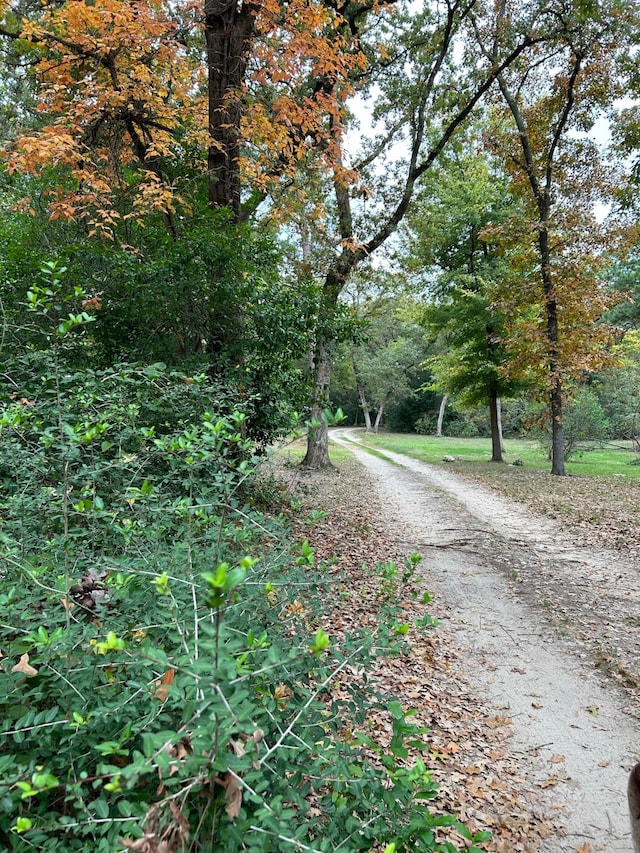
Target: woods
[223, 224]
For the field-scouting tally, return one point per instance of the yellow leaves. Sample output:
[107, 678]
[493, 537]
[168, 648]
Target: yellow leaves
[51, 146]
[120, 90]
[114, 81]
[153, 194]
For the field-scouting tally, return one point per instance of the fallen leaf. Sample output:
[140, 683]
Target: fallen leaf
[237, 747]
[25, 667]
[232, 794]
[180, 819]
[162, 691]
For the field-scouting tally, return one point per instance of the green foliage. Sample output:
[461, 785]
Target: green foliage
[618, 388]
[585, 423]
[614, 461]
[623, 277]
[450, 245]
[460, 420]
[382, 368]
[167, 671]
[213, 301]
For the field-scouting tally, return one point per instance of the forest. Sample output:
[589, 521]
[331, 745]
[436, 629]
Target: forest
[224, 224]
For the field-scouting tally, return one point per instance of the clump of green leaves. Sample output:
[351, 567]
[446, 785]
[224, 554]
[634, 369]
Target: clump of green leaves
[167, 654]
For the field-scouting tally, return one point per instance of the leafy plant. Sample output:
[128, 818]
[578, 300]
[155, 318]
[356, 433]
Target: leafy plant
[167, 665]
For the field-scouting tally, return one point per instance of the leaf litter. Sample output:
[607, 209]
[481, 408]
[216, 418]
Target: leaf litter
[470, 755]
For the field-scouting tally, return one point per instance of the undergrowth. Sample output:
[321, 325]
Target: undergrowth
[166, 651]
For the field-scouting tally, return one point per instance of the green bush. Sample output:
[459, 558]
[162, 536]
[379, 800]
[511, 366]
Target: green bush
[585, 423]
[162, 690]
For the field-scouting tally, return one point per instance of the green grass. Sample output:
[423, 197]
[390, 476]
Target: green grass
[293, 452]
[606, 461]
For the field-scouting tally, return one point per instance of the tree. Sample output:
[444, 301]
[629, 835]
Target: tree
[151, 110]
[114, 82]
[623, 277]
[134, 92]
[618, 389]
[560, 178]
[421, 97]
[389, 350]
[447, 249]
[131, 112]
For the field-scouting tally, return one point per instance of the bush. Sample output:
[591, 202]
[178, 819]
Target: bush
[167, 672]
[585, 423]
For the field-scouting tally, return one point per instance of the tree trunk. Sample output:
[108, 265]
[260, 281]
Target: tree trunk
[365, 409]
[362, 397]
[379, 415]
[228, 33]
[557, 430]
[499, 410]
[317, 455]
[551, 311]
[541, 185]
[494, 417]
[443, 406]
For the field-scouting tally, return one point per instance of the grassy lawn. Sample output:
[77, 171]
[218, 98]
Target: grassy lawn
[600, 499]
[606, 461]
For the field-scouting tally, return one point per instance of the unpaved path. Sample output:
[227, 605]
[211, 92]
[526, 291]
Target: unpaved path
[569, 726]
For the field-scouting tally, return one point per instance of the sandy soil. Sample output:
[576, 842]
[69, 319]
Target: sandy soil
[535, 615]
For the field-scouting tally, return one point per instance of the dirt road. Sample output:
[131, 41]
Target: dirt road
[496, 565]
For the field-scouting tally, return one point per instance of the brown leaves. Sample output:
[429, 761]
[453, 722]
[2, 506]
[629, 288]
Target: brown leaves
[230, 781]
[232, 793]
[480, 780]
[23, 666]
[163, 685]
[157, 839]
[121, 91]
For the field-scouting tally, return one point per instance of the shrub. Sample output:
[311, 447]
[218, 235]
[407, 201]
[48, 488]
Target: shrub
[585, 423]
[167, 662]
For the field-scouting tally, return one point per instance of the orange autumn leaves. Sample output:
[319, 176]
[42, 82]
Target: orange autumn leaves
[113, 81]
[122, 92]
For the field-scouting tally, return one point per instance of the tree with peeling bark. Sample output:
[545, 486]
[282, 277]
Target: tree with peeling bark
[554, 294]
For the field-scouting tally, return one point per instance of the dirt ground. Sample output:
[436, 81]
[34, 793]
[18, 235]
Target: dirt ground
[530, 685]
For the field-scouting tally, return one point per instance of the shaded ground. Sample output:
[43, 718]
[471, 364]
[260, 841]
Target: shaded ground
[597, 510]
[529, 743]
[592, 526]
